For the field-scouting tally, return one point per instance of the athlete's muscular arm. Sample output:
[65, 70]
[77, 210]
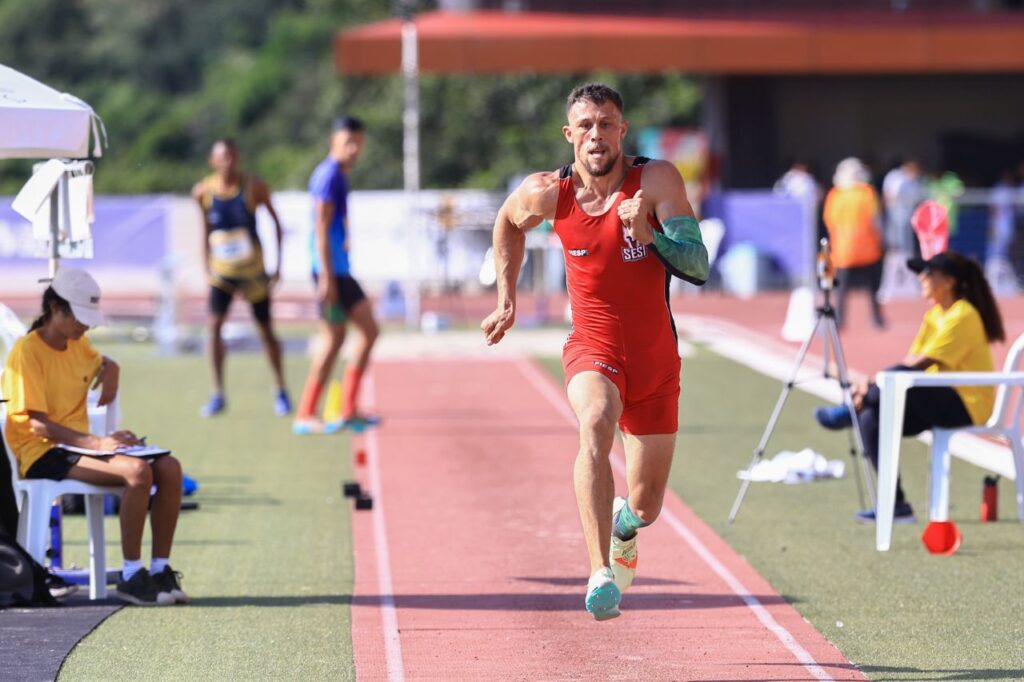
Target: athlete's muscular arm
[262, 191]
[197, 193]
[679, 248]
[533, 201]
[326, 288]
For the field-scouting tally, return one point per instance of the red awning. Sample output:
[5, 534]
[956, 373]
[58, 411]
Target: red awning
[822, 43]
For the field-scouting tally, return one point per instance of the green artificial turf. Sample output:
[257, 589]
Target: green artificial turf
[899, 615]
[267, 559]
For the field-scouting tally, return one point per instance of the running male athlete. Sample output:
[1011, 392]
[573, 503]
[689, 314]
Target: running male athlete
[340, 296]
[625, 225]
[228, 200]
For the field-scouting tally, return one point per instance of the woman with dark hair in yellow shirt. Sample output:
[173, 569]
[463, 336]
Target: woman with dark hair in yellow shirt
[954, 337]
[46, 378]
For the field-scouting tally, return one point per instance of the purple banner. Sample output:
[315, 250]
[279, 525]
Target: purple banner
[128, 232]
[773, 224]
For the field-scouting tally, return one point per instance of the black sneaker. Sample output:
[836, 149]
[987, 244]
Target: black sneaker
[58, 587]
[141, 590]
[901, 513]
[168, 582]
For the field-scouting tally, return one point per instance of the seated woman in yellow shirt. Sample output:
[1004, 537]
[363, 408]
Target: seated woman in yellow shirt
[954, 337]
[46, 378]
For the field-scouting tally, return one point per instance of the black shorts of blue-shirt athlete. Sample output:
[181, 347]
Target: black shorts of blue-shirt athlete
[349, 294]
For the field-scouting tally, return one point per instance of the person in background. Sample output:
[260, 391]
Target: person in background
[1001, 221]
[902, 191]
[339, 294]
[954, 337]
[852, 218]
[228, 200]
[799, 184]
[46, 378]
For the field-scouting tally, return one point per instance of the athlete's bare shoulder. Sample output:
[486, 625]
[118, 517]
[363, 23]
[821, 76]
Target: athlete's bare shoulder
[199, 189]
[663, 185]
[664, 190]
[260, 189]
[534, 200]
[659, 173]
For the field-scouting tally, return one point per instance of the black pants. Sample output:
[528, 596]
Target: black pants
[868, 277]
[927, 407]
[8, 504]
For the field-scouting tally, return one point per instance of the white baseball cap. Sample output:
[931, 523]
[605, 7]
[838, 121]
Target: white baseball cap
[81, 291]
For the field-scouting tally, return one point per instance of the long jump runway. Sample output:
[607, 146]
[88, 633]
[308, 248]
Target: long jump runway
[471, 565]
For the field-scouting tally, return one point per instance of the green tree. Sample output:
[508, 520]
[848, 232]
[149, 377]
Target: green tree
[170, 76]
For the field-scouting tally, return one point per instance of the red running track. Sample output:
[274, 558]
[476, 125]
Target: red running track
[472, 567]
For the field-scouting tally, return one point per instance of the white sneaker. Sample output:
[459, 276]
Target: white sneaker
[623, 554]
[602, 595]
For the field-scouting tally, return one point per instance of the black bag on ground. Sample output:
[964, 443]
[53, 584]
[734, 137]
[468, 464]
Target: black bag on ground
[23, 582]
[8, 504]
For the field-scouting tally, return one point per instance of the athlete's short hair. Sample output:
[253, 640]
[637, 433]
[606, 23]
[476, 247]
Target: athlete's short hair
[349, 123]
[598, 93]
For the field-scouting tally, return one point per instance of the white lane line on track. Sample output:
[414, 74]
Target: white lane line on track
[388, 615]
[546, 386]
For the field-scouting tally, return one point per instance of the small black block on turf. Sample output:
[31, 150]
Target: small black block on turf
[352, 489]
[364, 502]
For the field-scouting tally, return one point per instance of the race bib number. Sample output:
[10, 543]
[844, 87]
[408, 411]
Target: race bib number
[232, 247]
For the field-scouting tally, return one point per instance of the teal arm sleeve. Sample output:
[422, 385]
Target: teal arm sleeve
[681, 250]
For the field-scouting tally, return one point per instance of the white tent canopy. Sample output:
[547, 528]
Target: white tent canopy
[37, 122]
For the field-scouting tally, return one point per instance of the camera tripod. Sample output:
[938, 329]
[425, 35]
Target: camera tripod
[826, 320]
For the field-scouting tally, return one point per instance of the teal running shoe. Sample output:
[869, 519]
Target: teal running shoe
[360, 422]
[622, 554]
[309, 427]
[603, 596]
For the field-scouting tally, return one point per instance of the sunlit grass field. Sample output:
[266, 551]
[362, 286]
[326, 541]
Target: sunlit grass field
[900, 615]
[268, 557]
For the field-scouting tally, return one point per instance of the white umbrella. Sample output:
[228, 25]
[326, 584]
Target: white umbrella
[37, 122]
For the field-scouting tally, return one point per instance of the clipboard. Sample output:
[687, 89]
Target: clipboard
[143, 451]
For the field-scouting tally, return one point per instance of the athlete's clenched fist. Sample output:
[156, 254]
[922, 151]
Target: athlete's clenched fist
[497, 323]
[633, 214]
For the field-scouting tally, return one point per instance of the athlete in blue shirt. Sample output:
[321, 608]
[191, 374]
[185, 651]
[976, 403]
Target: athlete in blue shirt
[340, 296]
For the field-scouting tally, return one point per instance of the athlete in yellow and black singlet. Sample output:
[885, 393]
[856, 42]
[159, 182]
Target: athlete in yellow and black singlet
[233, 250]
[228, 200]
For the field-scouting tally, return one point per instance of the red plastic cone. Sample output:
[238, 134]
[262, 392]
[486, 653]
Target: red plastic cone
[941, 537]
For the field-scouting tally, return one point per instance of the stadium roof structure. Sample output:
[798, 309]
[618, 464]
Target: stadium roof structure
[870, 42]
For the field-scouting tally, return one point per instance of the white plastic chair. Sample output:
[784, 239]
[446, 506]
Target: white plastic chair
[1004, 422]
[35, 497]
[11, 329]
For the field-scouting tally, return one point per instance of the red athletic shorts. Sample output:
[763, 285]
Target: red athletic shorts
[645, 369]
